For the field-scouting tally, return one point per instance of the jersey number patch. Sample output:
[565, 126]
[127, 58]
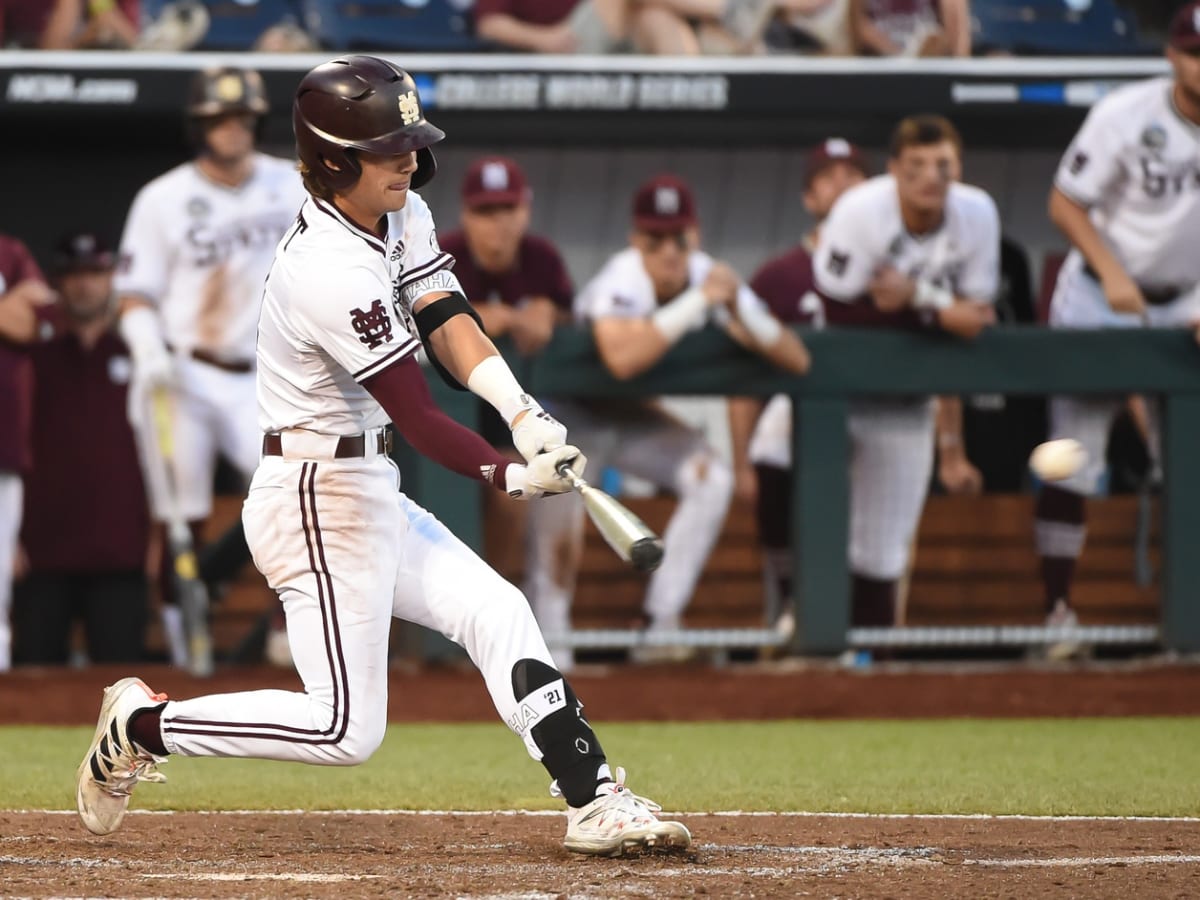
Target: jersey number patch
[373, 326]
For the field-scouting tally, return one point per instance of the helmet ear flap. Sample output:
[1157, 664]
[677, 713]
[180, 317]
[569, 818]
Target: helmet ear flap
[426, 167]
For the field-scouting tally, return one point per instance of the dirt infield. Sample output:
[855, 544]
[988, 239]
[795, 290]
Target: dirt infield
[518, 856]
[692, 693]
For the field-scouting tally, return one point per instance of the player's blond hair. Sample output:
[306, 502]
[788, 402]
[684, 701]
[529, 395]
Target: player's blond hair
[315, 185]
[921, 131]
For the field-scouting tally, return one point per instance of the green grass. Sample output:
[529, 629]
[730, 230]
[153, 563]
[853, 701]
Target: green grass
[1077, 766]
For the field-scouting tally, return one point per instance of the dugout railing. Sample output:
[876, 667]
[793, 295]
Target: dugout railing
[1008, 360]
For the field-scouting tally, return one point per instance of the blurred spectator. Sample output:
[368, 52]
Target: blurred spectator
[911, 27]
[69, 24]
[639, 305]
[179, 26]
[286, 37]
[762, 433]
[519, 285]
[813, 26]
[86, 523]
[666, 27]
[22, 291]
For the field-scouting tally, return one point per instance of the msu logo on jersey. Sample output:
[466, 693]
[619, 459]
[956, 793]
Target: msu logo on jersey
[373, 326]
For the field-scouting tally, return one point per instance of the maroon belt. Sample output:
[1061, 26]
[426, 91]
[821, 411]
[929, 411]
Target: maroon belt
[237, 366]
[350, 446]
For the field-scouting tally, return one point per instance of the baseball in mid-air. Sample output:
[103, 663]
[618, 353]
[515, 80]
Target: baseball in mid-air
[1057, 460]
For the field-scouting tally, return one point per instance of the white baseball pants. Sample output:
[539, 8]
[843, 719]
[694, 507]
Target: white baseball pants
[346, 551]
[11, 498]
[1079, 302]
[891, 459]
[213, 411]
[646, 442]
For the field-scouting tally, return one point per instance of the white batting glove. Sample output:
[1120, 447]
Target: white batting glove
[541, 476]
[538, 432]
[153, 365]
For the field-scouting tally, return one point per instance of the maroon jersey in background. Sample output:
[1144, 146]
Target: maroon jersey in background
[532, 12]
[539, 272]
[16, 373]
[85, 505]
[784, 282]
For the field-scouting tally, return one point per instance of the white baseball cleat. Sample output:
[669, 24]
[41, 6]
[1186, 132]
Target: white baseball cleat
[114, 764]
[619, 821]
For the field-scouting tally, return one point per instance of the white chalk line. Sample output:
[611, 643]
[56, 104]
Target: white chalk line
[730, 813]
[303, 877]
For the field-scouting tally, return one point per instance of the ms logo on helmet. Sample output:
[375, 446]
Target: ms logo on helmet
[410, 111]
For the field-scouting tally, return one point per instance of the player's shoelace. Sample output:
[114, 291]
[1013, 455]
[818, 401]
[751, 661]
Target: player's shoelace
[118, 774]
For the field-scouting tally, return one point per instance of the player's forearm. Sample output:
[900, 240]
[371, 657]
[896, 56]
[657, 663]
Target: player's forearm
[404, 394]
[60, 26]
[628, 347]
[948, 423]
[460, 346]
[865, 314]
[1074, 222]
[743, 416]
[787, 352]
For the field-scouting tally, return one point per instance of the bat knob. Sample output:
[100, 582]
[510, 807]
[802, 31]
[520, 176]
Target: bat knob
[646, 554]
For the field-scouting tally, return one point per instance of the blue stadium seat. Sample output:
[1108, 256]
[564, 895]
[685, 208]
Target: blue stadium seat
[419, 25]
[1049, 27]
[234, 24]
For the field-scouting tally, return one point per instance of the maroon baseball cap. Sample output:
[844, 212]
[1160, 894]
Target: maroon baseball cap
[495, 181]
[830, 151]
[664, 203]
[83, 251]
[1184, 32]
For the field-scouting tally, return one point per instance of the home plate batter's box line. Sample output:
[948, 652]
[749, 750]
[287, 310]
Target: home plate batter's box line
[731, 813]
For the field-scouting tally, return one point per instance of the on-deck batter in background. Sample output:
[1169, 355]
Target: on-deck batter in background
[197, 247]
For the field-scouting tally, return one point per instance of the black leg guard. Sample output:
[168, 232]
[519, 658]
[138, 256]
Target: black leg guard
[553, 716]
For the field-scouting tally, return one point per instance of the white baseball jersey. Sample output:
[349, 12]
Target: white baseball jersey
[865, 232]
[1136, 164]
[623, 289]
[337, 309]
[200, 251]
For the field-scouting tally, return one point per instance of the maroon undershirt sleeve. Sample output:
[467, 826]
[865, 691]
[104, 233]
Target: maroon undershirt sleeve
[403, 392]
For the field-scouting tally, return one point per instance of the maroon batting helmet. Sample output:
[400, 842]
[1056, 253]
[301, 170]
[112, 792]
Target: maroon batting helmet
[225, 90]
[360, 103]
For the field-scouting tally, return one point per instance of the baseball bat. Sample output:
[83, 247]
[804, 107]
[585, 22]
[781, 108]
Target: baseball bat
[630, 537]
[192, 594]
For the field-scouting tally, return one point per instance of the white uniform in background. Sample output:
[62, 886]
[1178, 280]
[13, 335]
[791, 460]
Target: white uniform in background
[199, 252]
[892, 440]
[1135, 164]
[640, 439]
[345, 550]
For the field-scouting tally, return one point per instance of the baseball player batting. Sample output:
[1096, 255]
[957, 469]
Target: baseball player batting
[640, 303]
[1127, 196]
[358, 284]
[914, 248]
[197, 247]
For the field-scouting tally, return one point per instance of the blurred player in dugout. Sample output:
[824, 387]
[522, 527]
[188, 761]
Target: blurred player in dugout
[520, 287]
[762, 435]
[197, 246]
[22, 291]
[639, 305]
[86, 526]
[912, 249]
[1127, 196]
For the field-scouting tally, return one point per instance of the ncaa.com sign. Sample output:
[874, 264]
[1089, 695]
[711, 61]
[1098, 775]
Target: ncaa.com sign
[63, 88]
